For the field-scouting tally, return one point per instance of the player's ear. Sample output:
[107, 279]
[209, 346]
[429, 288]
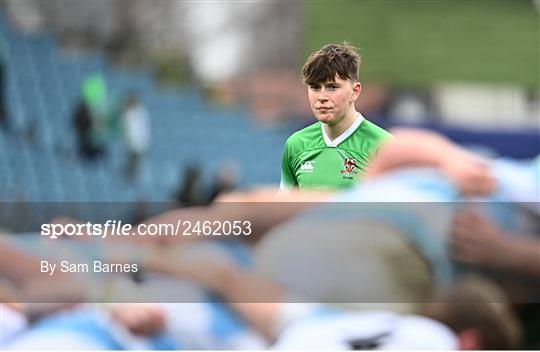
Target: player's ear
[470, 339]
[357, 89]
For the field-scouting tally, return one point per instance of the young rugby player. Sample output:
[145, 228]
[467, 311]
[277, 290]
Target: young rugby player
[334, 152]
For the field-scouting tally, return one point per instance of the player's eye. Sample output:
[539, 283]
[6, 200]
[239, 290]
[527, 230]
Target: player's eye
[314, 87]
[333, 87]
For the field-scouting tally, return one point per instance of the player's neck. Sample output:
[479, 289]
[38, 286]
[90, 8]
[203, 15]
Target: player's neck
[336, 130]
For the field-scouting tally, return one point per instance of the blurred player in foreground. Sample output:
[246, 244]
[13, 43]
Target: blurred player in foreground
[417, 244]
[469, 314]
[418, 184]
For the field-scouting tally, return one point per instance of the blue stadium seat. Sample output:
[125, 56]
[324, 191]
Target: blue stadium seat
[43, 88]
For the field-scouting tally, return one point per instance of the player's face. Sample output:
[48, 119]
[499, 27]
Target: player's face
[331, 101]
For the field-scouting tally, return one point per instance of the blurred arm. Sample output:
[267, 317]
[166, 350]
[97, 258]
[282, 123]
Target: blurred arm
[257, 300]
[61, 291]
[417, 148]
[524, 255]
[263, 207]
[478, 241]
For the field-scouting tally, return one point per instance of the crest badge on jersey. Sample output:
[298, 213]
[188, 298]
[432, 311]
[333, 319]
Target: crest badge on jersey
[349, 168]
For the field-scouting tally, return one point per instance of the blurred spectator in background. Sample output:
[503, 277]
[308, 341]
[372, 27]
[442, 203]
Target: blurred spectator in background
[190, 191]
[225, 180]
[90, 117]
[136, 127]
[96, 117]
[84, 127]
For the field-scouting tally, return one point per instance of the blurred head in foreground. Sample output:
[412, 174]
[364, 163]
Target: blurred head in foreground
[476, 310]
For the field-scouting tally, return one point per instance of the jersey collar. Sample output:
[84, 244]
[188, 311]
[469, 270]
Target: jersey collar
[346, 134]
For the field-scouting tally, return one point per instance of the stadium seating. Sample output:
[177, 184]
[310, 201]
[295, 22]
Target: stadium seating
[39, 158]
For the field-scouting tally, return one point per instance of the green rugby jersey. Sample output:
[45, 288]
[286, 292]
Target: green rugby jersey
[312, 160]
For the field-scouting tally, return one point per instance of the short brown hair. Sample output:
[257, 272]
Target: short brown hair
[330, 61]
